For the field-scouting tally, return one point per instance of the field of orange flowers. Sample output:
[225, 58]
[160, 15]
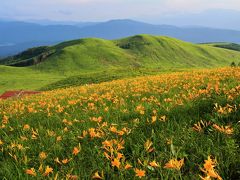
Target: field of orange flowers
[183, 125]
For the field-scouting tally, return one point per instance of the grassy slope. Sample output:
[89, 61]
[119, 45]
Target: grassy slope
[53, 123]
[89, 55]
[98, 77]
[80, 57]
[137, 51]
[170, 52]
[12, 78]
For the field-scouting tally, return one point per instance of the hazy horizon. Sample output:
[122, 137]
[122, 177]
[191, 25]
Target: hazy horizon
[103, 10]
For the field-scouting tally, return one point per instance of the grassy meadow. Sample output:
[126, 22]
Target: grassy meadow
[179, 125]
[14, 78]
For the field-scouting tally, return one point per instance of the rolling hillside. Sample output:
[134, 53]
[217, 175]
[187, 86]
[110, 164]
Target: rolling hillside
[142, 53]
[138, 51]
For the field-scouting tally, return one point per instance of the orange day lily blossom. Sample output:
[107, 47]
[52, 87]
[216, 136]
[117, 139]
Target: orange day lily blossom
[208, 169]
[48, 171]
[75, 151]
[174, 164]
[31, 172]
[140, 173]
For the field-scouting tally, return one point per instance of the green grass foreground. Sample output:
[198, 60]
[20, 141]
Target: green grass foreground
[179, 125]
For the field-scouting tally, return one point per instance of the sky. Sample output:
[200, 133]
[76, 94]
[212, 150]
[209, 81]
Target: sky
[101, 10]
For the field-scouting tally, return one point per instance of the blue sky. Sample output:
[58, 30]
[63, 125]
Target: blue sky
[99, 10]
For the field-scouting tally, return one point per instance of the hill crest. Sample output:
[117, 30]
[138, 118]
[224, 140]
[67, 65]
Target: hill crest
[139, 51]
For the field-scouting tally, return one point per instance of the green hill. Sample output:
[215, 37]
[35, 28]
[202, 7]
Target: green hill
[137, 51]
[169, 52]
[41, 66]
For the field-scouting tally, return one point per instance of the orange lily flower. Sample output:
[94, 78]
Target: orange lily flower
[48, 170]
[116, 163]
[174, 164]
[75, 151]
[140, 173]
[31, 172]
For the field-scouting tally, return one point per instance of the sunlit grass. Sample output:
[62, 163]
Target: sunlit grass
[181, 125]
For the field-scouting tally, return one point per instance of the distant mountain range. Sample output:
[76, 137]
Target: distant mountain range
[17, 36]
[214, 18]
